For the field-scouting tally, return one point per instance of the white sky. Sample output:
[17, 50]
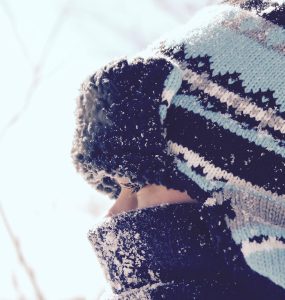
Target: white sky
[48, 206]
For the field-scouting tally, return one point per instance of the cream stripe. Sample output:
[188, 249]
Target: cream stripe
[271, 244]
[213, 172]
[267, 117]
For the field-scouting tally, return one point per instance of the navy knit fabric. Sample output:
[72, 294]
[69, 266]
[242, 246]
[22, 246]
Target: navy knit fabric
[185, 259]
[201, 110]
[118, 125]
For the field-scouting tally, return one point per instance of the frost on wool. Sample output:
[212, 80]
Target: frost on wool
[118, 126]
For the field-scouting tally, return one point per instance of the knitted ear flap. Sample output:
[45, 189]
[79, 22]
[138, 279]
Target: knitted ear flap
[119, 122]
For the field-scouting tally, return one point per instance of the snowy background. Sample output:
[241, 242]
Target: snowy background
[47, 49]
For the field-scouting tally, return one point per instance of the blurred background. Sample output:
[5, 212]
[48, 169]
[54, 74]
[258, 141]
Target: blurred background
[47, 49]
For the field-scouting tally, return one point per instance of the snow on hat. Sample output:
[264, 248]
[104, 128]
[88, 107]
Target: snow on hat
[125, 118]
[118, 126]
[201, 110]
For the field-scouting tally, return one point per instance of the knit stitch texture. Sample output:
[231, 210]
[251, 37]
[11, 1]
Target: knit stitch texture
[185, 259]
[209, 100]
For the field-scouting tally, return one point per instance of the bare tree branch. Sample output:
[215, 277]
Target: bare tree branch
[19, 252]
[38, 68]
[17, 288]
[17, 35]
[171, 9]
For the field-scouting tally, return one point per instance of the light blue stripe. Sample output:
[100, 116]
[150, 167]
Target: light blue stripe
[256, 229]
[251, 191]
[171, 84]
[274, 36]
[162, 112]
[191, 103]
[269, 263]
[173, 80]
[201, 181]
[258, 204]
[229, 51]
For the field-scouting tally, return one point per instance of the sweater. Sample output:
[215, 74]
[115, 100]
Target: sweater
[184, 259]
[201, 110]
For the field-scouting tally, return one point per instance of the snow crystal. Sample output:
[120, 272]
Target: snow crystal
[210, 202]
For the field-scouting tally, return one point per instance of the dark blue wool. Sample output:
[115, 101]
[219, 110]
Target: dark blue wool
[125, 135]
[201, 110]
[191, 256]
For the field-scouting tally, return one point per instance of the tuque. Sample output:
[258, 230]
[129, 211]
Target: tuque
[202, 110]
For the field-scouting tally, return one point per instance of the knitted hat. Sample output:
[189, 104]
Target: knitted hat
[119, 130]
[122, 107]
[201, 110]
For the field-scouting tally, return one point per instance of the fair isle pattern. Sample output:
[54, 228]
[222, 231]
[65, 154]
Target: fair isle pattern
[272, 10]
[266, 117]
[266, 33]
[212, 172]
[228, 95]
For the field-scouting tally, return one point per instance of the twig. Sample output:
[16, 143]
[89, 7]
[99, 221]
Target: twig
[38, 68]
[171, 9]
[19, 252]
[16, 286]
[17, 35]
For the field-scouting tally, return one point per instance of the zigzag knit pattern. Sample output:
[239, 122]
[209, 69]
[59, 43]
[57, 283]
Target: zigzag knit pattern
[227, 92]
[222, 107]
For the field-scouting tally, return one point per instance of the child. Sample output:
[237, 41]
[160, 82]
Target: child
[198, 118]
